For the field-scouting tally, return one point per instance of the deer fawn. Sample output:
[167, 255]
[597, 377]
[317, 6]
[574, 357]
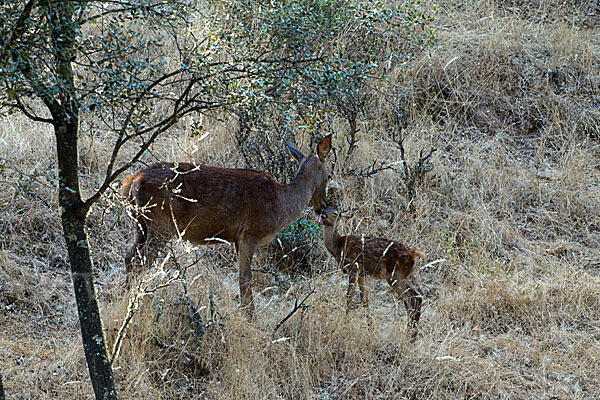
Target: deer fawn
[378, 257]
[205, 204]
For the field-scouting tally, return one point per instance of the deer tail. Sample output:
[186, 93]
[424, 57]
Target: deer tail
[128, 188]
[418, 253]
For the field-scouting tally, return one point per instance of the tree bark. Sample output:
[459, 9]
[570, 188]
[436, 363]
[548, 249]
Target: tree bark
[2, 397]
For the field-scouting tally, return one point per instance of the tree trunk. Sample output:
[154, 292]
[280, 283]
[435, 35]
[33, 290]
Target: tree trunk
[73, 215]
[2, 397]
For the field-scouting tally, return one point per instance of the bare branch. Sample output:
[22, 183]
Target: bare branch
[373, 169]
[196, 318]
[297, 306]
[26, 111]
[166, 346]
[133, 307]
[343, 213]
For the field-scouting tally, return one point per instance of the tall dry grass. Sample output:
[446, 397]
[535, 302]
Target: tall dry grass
[510, 97]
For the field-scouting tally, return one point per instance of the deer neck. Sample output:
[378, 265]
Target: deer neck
[295, 196]
[331, 239]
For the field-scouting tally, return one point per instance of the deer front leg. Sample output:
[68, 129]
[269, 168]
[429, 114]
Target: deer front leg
[245, 251]
[362, 284]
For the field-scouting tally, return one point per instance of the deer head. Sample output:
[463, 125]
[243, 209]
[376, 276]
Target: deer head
[316, 169]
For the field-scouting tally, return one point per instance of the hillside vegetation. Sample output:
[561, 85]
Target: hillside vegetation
[507, 210]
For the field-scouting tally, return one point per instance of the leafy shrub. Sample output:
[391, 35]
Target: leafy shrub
[338, 48]
[293, 248]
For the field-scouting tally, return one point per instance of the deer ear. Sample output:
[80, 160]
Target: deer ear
[324, 147]
[295, 152]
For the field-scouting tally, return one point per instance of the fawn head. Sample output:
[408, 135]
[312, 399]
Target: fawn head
[329, 216]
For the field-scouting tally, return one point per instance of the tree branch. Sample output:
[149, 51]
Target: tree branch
[133, 307]
[297, 306]
[23, 108]
[16, 32]
[370, 171]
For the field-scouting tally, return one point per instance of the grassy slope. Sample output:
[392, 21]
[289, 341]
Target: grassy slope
[510, 98]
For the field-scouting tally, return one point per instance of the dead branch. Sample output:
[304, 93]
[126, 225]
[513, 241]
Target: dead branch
[344, 213]
[297, 306]
[374, 168]
[159, 343]
[195, 317]
[133, 307]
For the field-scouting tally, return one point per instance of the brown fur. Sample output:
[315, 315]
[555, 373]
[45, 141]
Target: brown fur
[202, 203]
[380, 258]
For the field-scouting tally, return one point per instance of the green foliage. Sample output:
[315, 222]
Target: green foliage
[335, 53]
[301, 229]
[139, 66]
[291, 250]
[119, 54]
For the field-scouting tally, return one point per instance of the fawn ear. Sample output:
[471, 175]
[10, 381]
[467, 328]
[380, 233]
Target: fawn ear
[324, 147]
[295, 152]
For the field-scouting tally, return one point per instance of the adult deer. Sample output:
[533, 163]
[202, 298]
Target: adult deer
[205, 204]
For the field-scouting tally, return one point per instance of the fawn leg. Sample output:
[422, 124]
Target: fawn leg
[352, 276]
[413, 300]
[362, 284]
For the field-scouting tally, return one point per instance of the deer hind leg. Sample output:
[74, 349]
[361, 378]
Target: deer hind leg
[131, 263]
[245, 251]
[362, 284]
[412, 299]
[144, 251]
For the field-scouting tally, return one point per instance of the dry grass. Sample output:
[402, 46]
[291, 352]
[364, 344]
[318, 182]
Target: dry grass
[510, 97]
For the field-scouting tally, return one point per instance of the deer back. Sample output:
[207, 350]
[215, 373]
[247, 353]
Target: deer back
[199, 201]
